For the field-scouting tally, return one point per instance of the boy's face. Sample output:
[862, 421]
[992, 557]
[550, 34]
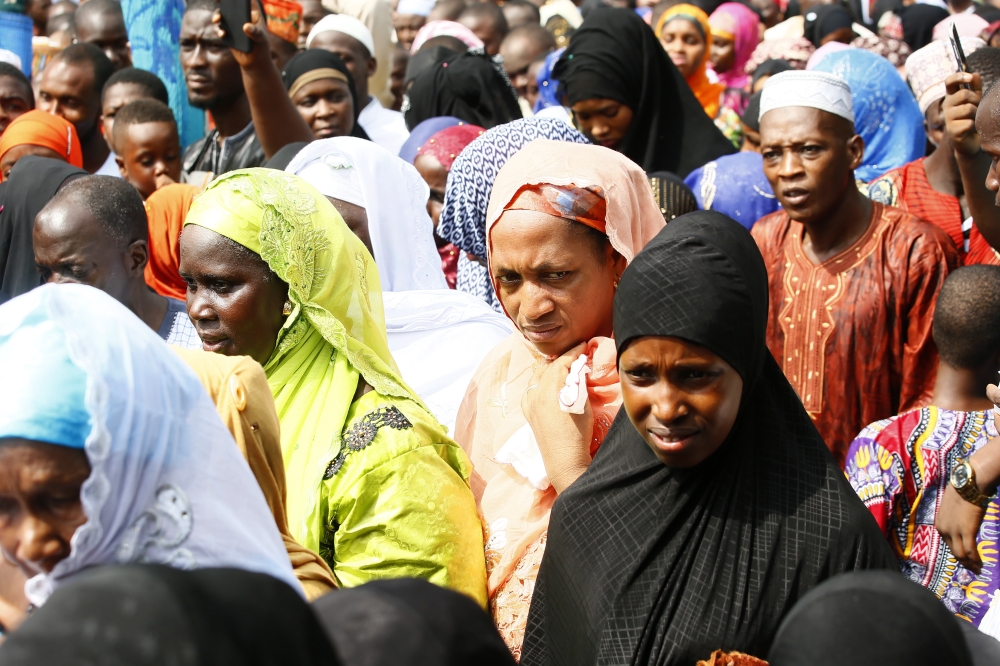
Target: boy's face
[150, 156]
[115, 97]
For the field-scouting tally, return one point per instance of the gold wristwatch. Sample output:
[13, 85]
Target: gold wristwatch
[963, 480]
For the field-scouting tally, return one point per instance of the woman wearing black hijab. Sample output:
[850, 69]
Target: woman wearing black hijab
[322, 90]
[918, 24]
[713, 504]
[32, 183]
[626, 94]
[151, 615]
[872, 617]
[469, 86]
[828, 23]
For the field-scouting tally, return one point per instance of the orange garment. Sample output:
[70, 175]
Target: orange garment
[515, 514]
[238, 387]
[708, 93]
[283, 18]
[166, 209]
[37, 128]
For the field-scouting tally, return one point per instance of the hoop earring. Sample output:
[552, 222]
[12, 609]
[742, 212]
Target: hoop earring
[287, 310]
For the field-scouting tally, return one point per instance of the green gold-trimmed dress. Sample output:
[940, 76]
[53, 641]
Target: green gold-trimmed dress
[375, 484]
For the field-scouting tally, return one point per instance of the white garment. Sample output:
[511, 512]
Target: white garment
[109, 168]
[438, 339]
[393, 195]
[168, 484]
[384, 126]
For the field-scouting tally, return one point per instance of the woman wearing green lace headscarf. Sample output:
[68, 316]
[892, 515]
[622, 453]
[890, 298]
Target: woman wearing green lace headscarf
[375, 484]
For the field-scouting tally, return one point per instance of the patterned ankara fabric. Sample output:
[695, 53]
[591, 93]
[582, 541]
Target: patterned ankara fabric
[853, 334]
[736, 186]
[585, 205]
[375, 485]
[900, 468]
[907, 188]
[885, 113]
[647, 564]
[470, 182]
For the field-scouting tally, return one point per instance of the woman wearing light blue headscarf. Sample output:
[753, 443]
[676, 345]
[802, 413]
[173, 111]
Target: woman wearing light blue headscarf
[885, 113]
[470, 182]
[147, 472]
[734, 185]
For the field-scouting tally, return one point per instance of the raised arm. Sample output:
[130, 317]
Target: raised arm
[960, 106]
[275, 118]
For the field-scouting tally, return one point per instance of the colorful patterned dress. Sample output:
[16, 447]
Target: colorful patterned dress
[900, 467]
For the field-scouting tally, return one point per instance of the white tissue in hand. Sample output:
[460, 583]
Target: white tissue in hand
[573, 396]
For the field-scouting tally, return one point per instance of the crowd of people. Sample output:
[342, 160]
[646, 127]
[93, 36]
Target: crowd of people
[540, 332]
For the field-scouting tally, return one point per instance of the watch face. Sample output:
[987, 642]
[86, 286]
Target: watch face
[960, 477]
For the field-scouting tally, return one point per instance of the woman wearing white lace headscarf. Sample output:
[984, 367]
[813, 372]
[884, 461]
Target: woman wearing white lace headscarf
[437, 336]
[129, 459]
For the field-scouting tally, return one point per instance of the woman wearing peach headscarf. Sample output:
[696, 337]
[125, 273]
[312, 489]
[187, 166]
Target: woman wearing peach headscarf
[686, 36]
[563, 222]
[42, 134]
[166, 209]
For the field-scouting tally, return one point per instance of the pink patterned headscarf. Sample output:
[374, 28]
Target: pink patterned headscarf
[448, 28]
[740, 24]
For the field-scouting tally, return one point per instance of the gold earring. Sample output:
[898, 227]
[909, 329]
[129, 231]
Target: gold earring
[287, 310]
[615, 284]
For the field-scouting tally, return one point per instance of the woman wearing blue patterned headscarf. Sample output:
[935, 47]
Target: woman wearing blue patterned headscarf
[885, 113]
[470, 181]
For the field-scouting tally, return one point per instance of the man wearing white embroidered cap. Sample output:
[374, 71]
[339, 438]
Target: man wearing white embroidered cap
[348, 37]
[852, 282]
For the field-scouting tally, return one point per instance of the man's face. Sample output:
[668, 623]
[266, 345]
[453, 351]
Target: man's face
[212, 74]
[485, 29]
[518, 54]
[934, 122]
[809, 159]
[988, 126]
[115, 97]
[68, 90]
[312, 12]
[15, 100]
[531, 90]
[397, 77]
[359, 62]
[407, 26]
[150, 157]
[72, 247]
[106, 31]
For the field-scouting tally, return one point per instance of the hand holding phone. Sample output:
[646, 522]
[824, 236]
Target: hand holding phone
[235, 13]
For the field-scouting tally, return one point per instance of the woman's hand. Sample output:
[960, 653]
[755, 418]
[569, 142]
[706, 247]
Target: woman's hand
[563, 438]
[256, 30]
[959, 521]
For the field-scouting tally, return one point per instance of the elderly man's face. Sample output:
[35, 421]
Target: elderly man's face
[809, 159]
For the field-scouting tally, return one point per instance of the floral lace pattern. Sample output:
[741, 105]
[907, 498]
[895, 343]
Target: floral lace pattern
[290, 244]
[512, 600]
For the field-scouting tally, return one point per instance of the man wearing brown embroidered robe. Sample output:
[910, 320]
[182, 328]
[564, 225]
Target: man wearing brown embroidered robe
[852, 282]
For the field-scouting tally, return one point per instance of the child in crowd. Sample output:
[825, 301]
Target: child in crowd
[148, 145]
[929, 476]
[125, 86]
